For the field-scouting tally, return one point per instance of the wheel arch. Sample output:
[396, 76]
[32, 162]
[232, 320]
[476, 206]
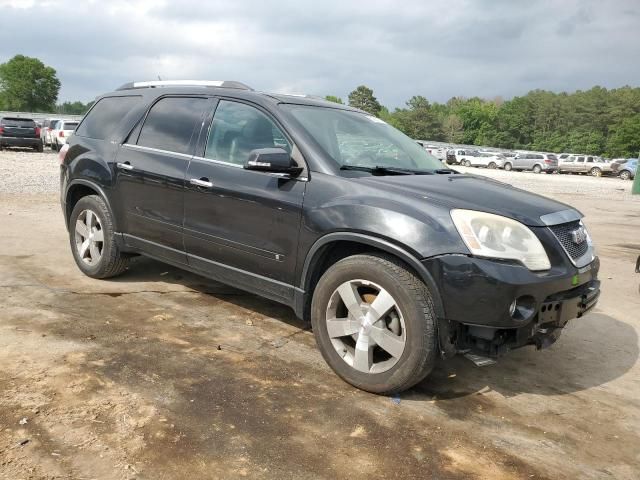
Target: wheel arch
[78, 189]
[335, 246]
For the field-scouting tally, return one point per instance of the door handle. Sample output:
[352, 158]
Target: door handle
[201, 182]
[124, 166]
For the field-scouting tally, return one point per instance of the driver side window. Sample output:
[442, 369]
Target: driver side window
[237, 129]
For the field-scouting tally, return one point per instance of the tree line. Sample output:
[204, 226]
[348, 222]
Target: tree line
[596, 121]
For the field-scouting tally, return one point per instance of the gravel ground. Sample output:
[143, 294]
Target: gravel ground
[26, 171]
[39, 174]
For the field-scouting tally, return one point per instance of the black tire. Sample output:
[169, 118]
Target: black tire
[537, 168]
[414, 300]
[492, 165]
[112, 262]
[508, 167]
[625, 175]
[595, 172]
[39, 148]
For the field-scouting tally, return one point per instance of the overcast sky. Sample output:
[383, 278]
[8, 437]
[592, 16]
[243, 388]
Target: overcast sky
[435, 48]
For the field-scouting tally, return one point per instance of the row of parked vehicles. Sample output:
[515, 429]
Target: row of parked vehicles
[537, 162]
[27, 133]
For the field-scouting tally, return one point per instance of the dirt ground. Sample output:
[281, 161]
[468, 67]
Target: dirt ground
[161, 374]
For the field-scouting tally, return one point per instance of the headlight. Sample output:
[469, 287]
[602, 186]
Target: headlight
[494, 236]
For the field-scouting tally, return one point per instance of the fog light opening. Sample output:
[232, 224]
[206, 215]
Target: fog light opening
[523, 308]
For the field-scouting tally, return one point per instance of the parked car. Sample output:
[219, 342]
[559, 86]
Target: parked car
[537, 162]
[487, 159]
[590, 164]
[19, 132]
[628, 169]
[462, 156]
[62, 130]
[45, 132]
[395, 260]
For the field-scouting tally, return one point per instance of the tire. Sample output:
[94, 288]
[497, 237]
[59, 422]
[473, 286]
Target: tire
[39, 148]
[625, 175]
[95, 260]
[493, 166]
[508, 167]
[537, 168]
[595, 172]
[410, 321]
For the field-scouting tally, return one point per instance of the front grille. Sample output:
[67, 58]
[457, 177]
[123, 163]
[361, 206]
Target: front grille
[563, 234]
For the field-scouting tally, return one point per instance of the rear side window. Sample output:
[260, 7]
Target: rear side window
[104, 118]
[70, 125]
[171, 123]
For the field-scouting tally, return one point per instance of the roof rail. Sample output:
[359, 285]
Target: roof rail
[186, 83]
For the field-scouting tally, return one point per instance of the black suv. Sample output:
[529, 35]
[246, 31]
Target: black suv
[20, 132]
[394, 258]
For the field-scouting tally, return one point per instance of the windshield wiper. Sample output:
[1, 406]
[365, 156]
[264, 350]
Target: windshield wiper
[446, 171]
[379, 170]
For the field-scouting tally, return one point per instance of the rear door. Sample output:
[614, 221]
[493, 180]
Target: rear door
[240, 225]
[151, 170]
[578, 165]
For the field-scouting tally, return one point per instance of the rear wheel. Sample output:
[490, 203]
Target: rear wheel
[537, 169]
[492, 165]
[92, 239]
[508, 166]
[39, 148]
[374, 323]
[625, 175]
[595, 172]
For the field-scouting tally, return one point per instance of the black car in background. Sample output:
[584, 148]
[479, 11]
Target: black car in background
[20, 132]
[394, 258]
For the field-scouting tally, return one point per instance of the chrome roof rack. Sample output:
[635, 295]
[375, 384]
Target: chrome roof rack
[186, 83]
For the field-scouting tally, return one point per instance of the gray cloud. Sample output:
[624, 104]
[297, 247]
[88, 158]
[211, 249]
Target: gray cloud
[437, 49]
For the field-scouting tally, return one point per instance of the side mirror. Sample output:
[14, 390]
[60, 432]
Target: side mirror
[273, 160]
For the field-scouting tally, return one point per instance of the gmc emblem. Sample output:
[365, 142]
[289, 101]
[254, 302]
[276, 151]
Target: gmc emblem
[579, 235]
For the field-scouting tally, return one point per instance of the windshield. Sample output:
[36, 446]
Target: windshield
[356, 139]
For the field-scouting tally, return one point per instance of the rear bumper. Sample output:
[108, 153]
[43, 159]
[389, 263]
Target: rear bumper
[19, 142]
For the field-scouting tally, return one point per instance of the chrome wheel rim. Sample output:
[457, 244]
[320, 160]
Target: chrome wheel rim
[366, 326]
[89, 237]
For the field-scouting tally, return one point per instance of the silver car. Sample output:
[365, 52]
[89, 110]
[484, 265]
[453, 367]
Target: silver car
[537, 162]
[590, 164]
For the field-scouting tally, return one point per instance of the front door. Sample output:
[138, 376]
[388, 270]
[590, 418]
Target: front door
[150, 176]
[242, 226]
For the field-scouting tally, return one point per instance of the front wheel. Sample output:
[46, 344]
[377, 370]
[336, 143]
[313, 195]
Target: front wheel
[374, 323]
[508, 167]
[595, 172]
[625, 175]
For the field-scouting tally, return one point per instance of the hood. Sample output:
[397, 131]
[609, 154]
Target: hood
[472, 193]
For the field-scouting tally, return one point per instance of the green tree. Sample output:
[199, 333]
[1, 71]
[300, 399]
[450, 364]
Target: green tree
[625, 139]
[27, 84]
[334, 99]
[362, 98]
[452, 128]
[73, 108]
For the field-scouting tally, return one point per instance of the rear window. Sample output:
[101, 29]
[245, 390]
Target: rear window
[171, 122]
[18, 122]
[552, 157]
[70, 125]
[104, 118]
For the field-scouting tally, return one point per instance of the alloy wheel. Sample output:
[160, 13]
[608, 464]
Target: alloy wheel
[366, 326]
[89, 237]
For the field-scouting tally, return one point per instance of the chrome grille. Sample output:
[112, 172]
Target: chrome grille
[563, 234]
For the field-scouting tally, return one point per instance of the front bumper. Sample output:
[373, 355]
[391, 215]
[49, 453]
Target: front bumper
[19, 142]
[478, 297]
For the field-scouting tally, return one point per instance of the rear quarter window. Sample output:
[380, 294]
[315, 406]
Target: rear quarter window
[104, 118]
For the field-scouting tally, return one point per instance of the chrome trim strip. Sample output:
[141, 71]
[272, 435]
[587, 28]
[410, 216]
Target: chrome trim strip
[156, 150]
[563, 216]
[218, 162]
